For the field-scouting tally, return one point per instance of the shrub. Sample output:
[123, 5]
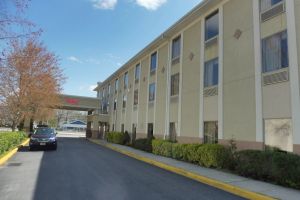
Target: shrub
[9, 140]
[273, 166]
[144, 144]
[214, 155]
[179, 151]
[190, 153]
[162, 148]
[117, 138]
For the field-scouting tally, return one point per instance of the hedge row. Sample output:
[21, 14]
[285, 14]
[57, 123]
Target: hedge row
[118, 138]
[10, 140]
[208, 155]
[273, 166]
[144, 144]
[270, 165]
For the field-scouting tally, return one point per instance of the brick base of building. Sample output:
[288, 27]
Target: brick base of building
[243, 145]
[189, 140]
[297, 149]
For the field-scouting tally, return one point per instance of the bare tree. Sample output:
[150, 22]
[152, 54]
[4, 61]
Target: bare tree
[30, 81]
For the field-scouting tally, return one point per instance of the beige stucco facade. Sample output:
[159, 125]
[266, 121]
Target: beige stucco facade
[243, 102]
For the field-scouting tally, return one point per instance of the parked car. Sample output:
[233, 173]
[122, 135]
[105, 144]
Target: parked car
[43, 137]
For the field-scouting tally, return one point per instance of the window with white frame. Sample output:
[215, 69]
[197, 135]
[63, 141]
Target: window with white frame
[275, 52]
[267, 4]
[137, 72]
[136, 97]
[211, 132]
[124, 101]
[212, 26]
[175, 84]
[211, 73]
[176, 48]
[126, 80]
[153, 62]
[151, 92]
[109, 89]
[115, 104]
[116, 85]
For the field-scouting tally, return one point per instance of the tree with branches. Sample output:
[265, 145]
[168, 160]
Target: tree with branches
[30, 81]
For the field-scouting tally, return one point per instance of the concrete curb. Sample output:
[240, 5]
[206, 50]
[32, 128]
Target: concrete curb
[208, 181]
[12, 152]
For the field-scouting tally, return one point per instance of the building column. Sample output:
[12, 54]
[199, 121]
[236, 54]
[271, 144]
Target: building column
[258, 72]
[294, 73]
[220, 86]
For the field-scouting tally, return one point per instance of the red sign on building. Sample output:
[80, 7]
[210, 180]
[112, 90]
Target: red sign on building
[72, 101]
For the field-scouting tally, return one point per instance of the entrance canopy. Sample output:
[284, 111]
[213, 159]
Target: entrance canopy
[80, 103]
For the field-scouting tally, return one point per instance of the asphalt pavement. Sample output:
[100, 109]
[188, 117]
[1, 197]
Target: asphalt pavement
[80, 170]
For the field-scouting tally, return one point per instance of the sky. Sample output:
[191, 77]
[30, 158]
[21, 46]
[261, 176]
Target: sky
[93, 38]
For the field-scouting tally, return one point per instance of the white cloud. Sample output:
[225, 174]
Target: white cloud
[74, 59]
[151, 4]
[104, 4]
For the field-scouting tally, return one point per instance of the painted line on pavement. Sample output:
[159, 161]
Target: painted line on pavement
[203, 179]
[12, 152]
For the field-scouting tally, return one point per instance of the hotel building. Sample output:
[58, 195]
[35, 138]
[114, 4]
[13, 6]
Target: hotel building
[228, 69]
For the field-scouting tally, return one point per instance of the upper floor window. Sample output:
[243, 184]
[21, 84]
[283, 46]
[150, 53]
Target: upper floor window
[136, 97]
[103, 93]
[267, 4]
[115, 104]
[153, 62]
[126, 80]
[151, 92]
[212, 26]
[116, 85]
[176, 48]
[109, 89]
[275, 52]
[137, 72]
[211, 73]
[124, 101]
[175, 84]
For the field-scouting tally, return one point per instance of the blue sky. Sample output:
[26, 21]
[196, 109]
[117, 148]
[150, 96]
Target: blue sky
[93, 38]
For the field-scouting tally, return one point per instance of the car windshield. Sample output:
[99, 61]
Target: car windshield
[44, 131]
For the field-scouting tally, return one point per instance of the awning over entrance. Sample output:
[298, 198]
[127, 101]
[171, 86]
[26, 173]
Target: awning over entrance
[72, 102]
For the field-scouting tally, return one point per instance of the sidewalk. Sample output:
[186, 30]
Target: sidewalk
[210, 176]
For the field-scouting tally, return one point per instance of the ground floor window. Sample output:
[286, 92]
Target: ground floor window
[278, 133]
[150, 130]
[122, 128]
[211, 132]
[173, 134]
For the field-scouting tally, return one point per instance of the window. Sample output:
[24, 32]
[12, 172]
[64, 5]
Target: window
[109, 89]
[172, 133]
[116, 85]
[278, 133]
[175, 84]
[107, 107]
[211, 73]
[275, 52]
[103, 93]
[176, 48]
[124, 101]
[267, 4]
[137, 72]
[122, 128]
[153, 62]
[136, 97]
[212, 26]
[150, 130]
[115, 104]
[126, 80]
[151, 92]
[211, 132]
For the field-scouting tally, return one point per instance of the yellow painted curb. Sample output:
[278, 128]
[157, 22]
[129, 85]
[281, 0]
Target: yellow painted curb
[208, 181]
[12, 152]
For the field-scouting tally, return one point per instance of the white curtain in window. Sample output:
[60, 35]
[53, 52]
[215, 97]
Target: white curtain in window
[272, 53]
[265, 4]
